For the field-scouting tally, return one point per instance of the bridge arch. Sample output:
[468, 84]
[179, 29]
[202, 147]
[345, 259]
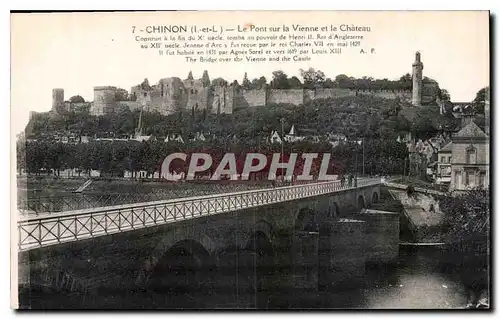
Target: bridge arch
[306, 220]
[361, 203]
[261, 244]
[375, 197]
[178, 238]
[263, 227]
[184, 268]
[258, 261]
[335, 210]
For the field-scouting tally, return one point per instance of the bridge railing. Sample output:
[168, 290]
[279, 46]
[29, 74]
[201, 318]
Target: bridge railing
[43, 204]
[39, 231]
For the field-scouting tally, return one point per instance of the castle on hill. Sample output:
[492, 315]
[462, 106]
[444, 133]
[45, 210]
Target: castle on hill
[220, 97]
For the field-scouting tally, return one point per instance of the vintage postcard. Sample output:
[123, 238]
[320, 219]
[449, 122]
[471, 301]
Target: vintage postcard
[251, 160]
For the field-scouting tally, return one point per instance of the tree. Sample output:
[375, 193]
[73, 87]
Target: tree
[121, 95]
[343, 81]
[406, 78]
[280, 80]
[312, 78]
[259, 83]
[294, 83]
[479, 101]
[467, 231]
[76, 99]
[328, 84]
[444, 95]
[190, 75]
[426, 122]
[246, 83]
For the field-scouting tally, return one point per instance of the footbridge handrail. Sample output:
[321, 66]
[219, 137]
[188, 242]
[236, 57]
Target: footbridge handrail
[55, 228]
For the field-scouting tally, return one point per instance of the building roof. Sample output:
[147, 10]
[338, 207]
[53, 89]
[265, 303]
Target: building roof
[446, 148]
[471, 130]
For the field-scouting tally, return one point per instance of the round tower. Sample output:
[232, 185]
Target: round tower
[57, 99]
[418, 66]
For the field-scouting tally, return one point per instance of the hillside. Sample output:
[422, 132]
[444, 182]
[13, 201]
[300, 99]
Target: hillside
[353, 116]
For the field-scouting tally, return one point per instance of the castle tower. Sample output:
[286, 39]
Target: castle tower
[418, 66]
[57, 99]
[104, 100]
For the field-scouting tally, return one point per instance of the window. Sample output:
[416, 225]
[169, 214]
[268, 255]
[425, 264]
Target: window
[192, 91]
[442, 159]
[471, 156]
[449, 159]
[469, 178]
[457, 179]
[482, 179]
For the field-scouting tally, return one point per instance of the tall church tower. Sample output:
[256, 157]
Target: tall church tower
[418, 66]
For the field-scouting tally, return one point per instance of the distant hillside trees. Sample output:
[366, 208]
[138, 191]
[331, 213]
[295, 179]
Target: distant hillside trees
[76, 99]
[121, 95]
[280, 80]
[113, 158]
[312, 78]
[377, 121]
[480, 100]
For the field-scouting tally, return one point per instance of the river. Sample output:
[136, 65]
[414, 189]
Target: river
[416, 281]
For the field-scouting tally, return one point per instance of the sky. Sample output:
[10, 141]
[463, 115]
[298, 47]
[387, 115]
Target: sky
[77, 51]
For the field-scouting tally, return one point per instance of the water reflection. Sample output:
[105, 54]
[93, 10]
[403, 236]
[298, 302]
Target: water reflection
[415, 282]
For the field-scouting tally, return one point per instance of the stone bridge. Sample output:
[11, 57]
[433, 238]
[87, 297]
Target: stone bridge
[304, 236]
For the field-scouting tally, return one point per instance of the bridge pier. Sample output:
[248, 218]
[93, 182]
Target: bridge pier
[381, 236]
[305, 261]
[341, 254]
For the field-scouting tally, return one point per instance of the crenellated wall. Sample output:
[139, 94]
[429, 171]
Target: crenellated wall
[388, 94]
[292, 96]
[254, 97]
[330, 93]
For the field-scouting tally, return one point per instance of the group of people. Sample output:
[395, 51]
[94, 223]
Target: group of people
[352, 181]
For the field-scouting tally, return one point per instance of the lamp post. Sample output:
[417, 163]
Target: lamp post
[355, 166]
[363, 142]
[282, 144]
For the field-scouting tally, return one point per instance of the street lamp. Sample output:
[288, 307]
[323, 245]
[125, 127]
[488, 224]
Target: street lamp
[363, 142]
[282, 143]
